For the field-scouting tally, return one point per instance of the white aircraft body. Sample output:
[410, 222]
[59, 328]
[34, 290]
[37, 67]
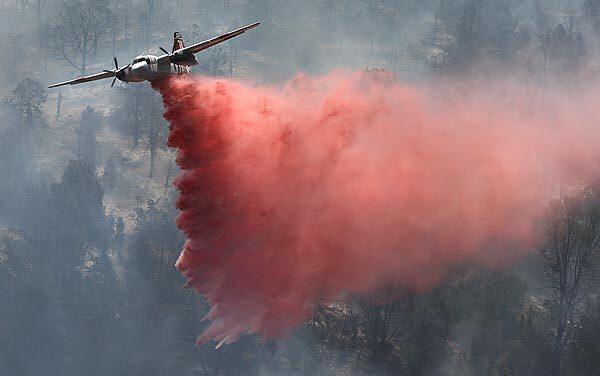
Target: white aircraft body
[150, 67]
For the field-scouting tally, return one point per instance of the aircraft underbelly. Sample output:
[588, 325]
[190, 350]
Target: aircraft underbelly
[165, 70]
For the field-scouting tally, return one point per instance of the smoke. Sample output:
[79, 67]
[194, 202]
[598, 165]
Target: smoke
[337, 185]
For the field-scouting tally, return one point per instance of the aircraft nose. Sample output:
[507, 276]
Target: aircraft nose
[139, 70]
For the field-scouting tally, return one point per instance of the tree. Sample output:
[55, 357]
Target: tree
[24, 106]
[213, 62]
[140, 116]
[130, 111]
[151, 15]
[78, 29]
[157, 303]
[39, 6]
[109, 177]
[14, 173]
[29, 292]
[156, 129]
[59, 282]
[540, 15]
[373, 10]
[469, 28]
[545, 40]
[381, 313]
[584, 353]
[571, 258]
[591, 13]
[424, 331]
[499, 302]
[265, 10]
[87, 146]
[156, 241]
[8, 155]
[66, 217]
[527, 353]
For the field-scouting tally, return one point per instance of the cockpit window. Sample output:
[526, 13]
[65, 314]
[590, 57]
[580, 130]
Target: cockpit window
[140, 59]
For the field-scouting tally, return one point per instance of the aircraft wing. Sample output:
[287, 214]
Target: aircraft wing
[197, 47]
[93, 77]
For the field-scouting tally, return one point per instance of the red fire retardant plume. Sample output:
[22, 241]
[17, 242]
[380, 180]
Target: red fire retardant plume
[339, 184]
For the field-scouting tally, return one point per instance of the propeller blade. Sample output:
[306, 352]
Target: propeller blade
[163, 50]
[113, 83]
[116, 63]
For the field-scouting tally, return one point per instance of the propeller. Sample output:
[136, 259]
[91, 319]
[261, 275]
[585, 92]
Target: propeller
[163, 50]
[117, 69]
[117, 72]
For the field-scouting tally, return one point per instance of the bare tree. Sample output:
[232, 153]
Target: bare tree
[153, 14]
[39, 6]
[22, 4]
[266, 11]
[469, 28]
[327, 10]
[585, 349]
[130, 111]
[373, 10]
[115, 23]
[156, 129]
[140, 114]
[79, 26]
[571, 259]
[545, 42]
[214, 62]
[382, 312]
[591, 12]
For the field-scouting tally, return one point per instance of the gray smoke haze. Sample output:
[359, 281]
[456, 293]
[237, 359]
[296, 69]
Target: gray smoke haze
[88, 240]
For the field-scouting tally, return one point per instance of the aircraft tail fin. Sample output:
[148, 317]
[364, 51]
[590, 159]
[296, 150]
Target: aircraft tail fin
[177, 42]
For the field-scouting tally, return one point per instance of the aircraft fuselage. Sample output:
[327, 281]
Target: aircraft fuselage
[148, 68]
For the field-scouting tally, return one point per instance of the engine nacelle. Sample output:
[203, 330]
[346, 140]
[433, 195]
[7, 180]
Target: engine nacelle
[184, 59]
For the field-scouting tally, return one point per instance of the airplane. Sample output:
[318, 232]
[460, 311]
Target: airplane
[150, 67]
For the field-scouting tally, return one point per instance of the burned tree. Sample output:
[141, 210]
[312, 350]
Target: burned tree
[381, 316]
[591, 13]
[129, 113]
[78, 29]
[139, 115]
[155, 129]
[571, 259]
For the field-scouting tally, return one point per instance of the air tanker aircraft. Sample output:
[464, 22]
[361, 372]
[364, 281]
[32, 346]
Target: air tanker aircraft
[150, 67]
